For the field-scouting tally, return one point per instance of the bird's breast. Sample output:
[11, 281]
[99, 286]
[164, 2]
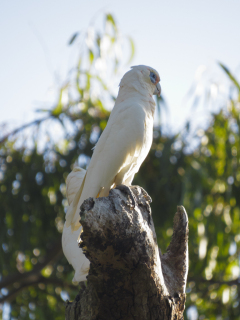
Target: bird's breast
[146, 137]
[148, 133]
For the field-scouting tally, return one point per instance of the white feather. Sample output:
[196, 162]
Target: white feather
[73, 182]
[71, 250]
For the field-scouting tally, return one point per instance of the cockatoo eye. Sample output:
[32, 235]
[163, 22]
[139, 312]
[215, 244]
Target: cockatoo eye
[153, 77]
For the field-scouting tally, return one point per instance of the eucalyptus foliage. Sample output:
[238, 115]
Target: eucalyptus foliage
[36, 159]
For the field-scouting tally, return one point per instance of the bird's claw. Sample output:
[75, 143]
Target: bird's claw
[128, 191]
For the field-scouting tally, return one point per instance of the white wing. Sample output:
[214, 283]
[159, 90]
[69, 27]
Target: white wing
[71, 250]
[116, 155]
[73, 182]
[74, 254]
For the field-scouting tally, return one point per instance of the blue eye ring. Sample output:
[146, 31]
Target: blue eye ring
[153, 77]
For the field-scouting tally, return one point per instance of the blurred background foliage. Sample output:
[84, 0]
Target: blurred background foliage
[197, 168]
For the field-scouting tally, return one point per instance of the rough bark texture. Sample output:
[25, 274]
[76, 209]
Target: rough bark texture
[129, 278]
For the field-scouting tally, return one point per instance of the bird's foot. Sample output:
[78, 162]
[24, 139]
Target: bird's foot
[128, 191]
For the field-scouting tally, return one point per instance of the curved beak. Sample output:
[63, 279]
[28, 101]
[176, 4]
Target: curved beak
[157, 90]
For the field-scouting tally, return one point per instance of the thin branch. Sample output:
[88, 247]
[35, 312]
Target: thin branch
[212, 281]
[49, 258]
[40, 279]
[35, 122]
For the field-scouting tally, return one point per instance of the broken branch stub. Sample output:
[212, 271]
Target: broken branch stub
[128, 277]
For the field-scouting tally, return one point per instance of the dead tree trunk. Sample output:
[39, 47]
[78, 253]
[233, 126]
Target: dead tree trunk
[129, 279]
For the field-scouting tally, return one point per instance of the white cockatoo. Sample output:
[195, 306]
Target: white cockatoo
[71, 250]
[124, 143]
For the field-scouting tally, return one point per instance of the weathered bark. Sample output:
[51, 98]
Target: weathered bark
[129, 278]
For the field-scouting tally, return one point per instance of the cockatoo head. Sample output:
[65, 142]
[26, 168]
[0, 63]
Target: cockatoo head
[142, 77]
[151, 78]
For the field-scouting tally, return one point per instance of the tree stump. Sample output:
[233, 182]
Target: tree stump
[129, 278]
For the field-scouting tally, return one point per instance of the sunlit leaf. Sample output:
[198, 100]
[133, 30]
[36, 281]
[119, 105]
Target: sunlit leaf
[230, 75]
[110, 19]
[59, 107]
[132, 50]
[27, 265]
[91, 56]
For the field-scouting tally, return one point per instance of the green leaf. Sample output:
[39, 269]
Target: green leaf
[90, 56]
[27, 265]
[59, 107]
[132, 47]
[42, 110]
[230, 75]
[100, 105]
[110, 19]
[101, 81]
[52, 301]
[9, 220]
[73, 38]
